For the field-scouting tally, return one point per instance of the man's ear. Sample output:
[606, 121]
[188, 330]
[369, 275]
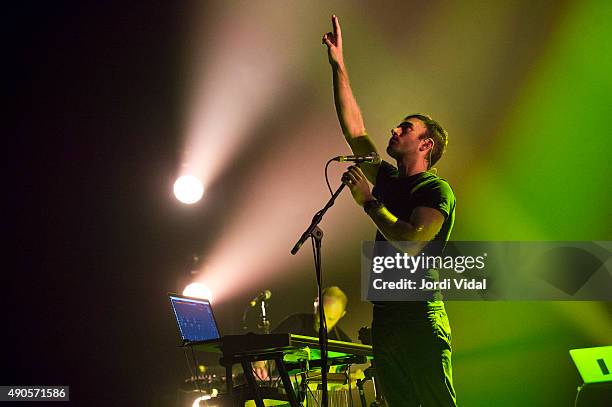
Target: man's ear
[427, 144]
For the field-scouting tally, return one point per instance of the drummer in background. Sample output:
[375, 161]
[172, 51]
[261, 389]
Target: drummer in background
[307, 324]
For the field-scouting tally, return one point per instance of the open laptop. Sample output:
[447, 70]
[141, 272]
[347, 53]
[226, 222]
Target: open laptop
[594, 364]
[195, 319]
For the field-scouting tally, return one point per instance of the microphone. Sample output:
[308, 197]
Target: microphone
[262, 296]
[371, 158]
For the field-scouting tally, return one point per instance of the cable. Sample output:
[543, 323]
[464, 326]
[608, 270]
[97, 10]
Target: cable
[326, 177]
[314, 253]
[322, 319]
[348, 376]
[297, 388]
[187, 361]
[314, 397]
[276, 382]
[193, 374]
[195, 365]
[296, 384]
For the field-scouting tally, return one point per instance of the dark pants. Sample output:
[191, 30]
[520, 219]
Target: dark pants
[412, 352]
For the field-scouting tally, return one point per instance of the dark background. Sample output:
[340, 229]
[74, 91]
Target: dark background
[97, 96]
[96, 239]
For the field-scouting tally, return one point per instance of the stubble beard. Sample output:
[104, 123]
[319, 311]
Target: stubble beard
[393, 153]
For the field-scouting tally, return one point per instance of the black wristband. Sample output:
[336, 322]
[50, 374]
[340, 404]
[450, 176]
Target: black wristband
[371, 204]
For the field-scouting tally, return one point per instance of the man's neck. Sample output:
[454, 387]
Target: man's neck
[408, 167]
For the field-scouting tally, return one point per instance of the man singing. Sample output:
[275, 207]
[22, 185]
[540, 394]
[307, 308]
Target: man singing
[411, 340]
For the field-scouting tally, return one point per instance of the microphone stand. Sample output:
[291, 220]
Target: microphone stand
[264, 323]
[316, 234]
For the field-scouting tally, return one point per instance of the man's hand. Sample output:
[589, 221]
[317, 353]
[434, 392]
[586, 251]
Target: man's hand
[333, 40]
[358, 184]
[260, 368]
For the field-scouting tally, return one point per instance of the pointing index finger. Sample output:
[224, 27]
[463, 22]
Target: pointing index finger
[336, 25]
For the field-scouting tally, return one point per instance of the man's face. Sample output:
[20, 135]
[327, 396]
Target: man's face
[405, 139]
[334, 311]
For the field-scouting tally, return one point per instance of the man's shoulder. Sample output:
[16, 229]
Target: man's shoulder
[293, 323]
[432, 182]
[300, 316]
[343, 335]
[435, 192]
[386, 170]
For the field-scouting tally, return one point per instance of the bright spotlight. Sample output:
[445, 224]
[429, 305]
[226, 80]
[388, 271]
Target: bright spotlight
[196, 402]
[198, 290]
[188, 189]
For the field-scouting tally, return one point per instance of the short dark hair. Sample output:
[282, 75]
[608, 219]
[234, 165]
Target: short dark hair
[436, 132]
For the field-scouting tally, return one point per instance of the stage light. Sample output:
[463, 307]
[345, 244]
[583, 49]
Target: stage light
[188, 189]
[227, 98]
[196, 402]
[228, 103]
[260, 232]
[198, 290]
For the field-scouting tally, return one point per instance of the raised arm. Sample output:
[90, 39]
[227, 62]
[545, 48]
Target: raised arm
[347, 109]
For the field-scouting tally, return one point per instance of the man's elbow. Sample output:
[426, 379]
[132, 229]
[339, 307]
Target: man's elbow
[354, 132]
[399, 235]
[407, 232]
[406, 241]
[407, 237]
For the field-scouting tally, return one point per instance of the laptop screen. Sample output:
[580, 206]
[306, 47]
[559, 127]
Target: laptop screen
[594, 364]
[195, 319]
